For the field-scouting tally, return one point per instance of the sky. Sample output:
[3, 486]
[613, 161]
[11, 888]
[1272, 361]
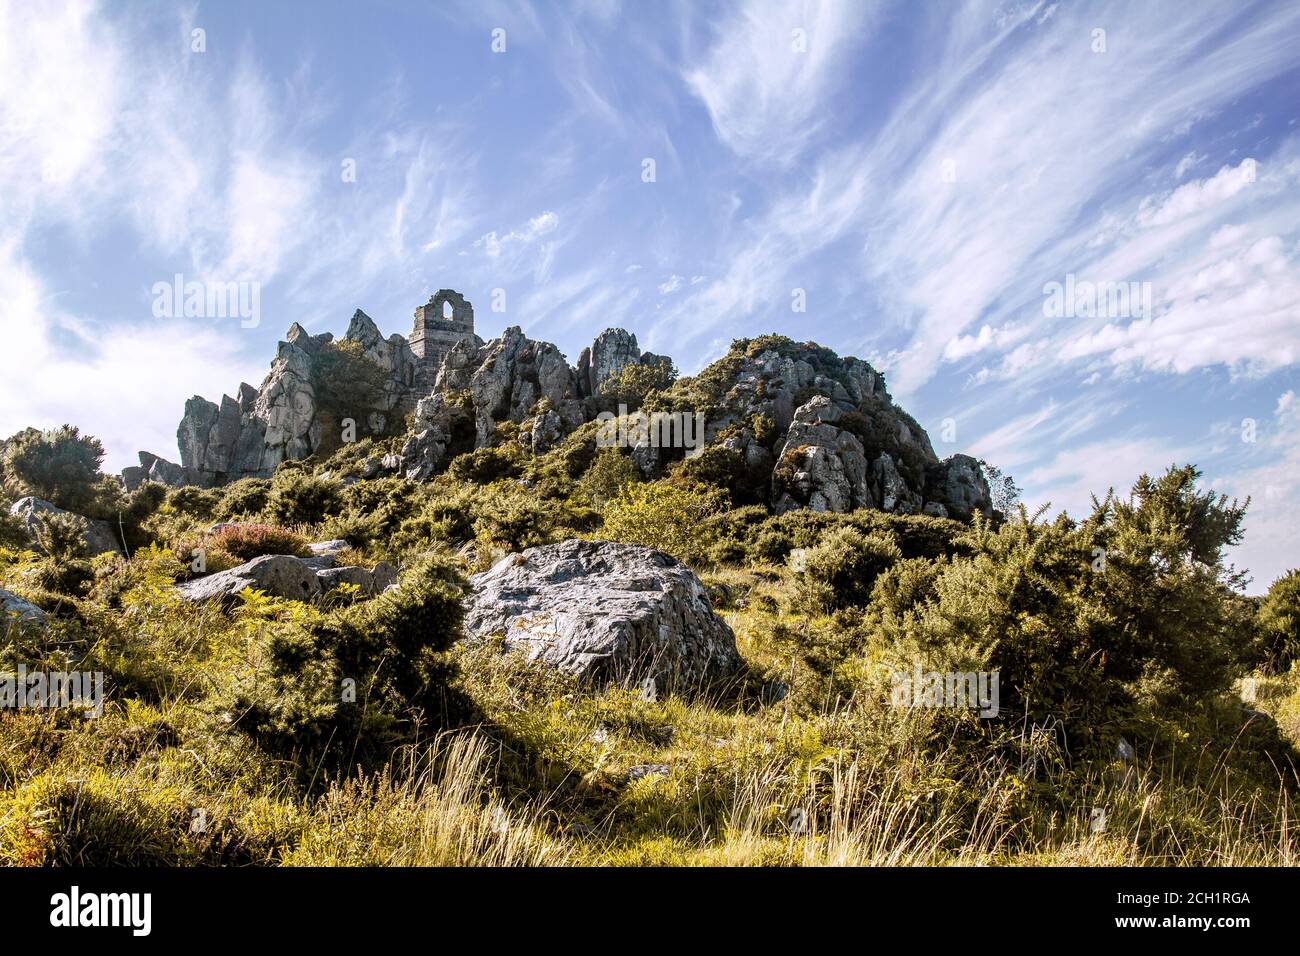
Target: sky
[901, 181]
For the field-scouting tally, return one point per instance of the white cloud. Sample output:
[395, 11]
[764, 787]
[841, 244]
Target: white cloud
[1194, 197]
[670, 285]
[1186, 163]
[60, 88]
[125, 388]
[765, 94]
[540, 225]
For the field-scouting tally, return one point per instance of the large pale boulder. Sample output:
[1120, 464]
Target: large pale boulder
[603, 610]
[283, 575]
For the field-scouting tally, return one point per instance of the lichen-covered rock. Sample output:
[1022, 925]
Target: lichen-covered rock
[286, 576]
[821, 466]
[14, 608]
[99, 536]
[430, 433]
[603, 610]
[965, 488]
[515, 374]
[896, 495]
[546, 430]
[373, 581]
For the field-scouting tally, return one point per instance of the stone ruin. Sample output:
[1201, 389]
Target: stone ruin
[447, 391]
[435, 334]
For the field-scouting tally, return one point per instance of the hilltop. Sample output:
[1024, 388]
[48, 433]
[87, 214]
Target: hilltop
[784, 424]
[434, 599]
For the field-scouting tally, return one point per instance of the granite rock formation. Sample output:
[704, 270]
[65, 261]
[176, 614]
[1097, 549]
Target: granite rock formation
[605, 611]
[804, 427]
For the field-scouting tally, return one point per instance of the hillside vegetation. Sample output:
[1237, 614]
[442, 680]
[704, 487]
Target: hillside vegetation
[1124, 647]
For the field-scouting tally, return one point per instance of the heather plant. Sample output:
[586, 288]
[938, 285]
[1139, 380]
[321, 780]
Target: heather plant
[247, 541]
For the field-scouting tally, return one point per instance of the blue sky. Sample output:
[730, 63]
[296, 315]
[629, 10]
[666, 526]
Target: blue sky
[921, 170]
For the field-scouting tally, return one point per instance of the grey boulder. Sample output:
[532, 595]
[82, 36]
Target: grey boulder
[99, 536]
[285, 576]
[12, 607]
[605, 611]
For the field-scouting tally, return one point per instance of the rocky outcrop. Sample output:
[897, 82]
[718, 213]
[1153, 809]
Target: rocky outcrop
[605, 611]
[153, 468]
[427, 445]
[283, 419]
[14, 608]
[544, 432]
[821, 466]
[282, 575]
[514, 374]
[793, 424]
[99, 536]
[964, 488]
[896, 495]
[613, 350]
[771, 383]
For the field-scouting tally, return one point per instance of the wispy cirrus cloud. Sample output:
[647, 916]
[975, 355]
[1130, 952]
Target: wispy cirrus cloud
[771, 70]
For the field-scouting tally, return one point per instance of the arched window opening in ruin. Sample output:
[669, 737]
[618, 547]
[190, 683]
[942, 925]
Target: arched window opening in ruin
[447, 311]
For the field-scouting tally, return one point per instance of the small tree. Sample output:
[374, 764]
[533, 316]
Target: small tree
[634, 383]
[1003, 490]
[61, 466]
[1278, 620]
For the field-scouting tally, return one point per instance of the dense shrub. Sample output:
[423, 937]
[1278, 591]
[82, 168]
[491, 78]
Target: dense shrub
[200, 503]
[300, 498]
[1278, 621]
[244, 498]
[841, 570]
[361, 677]
[633, 383]
[665, 516]
[485, 465]
[611, 470]
[13, 533]
[61, 466]
[1087, 623]
[917, 536]
[61, 536]
[724, 468]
